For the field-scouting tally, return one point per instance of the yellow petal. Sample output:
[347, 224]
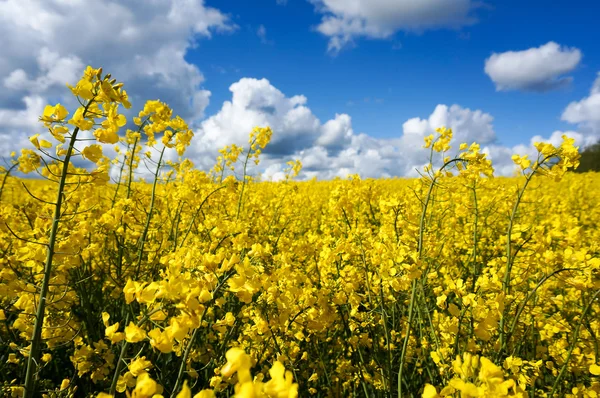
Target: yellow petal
[65, 383]
[60, 112]
[185, 391]
[429, 392]
[45, 144]
[34, 140]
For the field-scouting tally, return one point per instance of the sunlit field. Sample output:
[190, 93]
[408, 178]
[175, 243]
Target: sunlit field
[216, 284]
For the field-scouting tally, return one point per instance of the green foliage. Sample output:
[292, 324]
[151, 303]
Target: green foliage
[590, 159]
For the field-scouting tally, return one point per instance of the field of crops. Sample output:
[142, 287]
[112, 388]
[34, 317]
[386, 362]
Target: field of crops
[456, 284]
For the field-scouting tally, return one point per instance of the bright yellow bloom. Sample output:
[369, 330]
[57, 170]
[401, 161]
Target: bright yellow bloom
[92, 152]
[429, 392]
[161, 341]
[185, 391]
[134, 333]
[78, 120]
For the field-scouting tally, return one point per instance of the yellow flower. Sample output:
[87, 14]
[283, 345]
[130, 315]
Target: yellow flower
[160, 341]
[429, 392]
[489, 372]
[281, 384]
[83, 89]
[12, 358]
[185, 391]
[134, 333]
[139, 366]
[28, 161]
[177, 330]
[34, 140]
[65, 384]
[112, 334]
[145, 387]
[237, 361]
[106, 136]
[92, 152]
[79, 121]
[54, 113]
[205, 394]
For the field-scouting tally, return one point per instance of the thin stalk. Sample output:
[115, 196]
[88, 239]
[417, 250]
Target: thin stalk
[509, 257]
[524, 302]
[131, 168]
[573, 343]
[188, 349]
[5, 178]
[413, 289]
[113, 386]
[187, 232]
[414, 282]
[149, 217]
[239, 206]
[36, 337]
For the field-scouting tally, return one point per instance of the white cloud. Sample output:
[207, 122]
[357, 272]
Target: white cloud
[345, 20]
[586, 112]
[334, 149]
[261, 32]
[501, 155]
[331, 148]
[536, 69]
[47, 43]
[255, 102]
[54, 71]
[336, 132]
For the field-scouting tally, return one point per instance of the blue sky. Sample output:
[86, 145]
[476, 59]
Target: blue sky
[441, 66]
[348, 86]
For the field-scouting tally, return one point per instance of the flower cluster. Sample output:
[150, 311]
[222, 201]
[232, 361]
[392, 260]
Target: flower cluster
[193, 284]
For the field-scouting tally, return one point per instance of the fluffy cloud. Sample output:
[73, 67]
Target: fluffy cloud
[141, 42]
[334, 149]
[501, 155]
[536, 69]
[331, 148]
[586, 112]
[257, 103]
[345, 20]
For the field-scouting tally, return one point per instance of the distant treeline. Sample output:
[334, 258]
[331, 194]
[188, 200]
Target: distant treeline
[590, 159]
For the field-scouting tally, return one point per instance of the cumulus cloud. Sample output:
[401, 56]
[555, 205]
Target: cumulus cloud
[343, 20]
[501, 156]
[331, 148]
[536, 69]
[142, 43]
[256, 102]
[586, 112]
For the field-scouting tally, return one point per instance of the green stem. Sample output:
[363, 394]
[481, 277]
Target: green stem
[509, 257]
[6, 178]
[239, 206]
[36, 337]
[113, 386]
[149, 217]
[573, 344]
[188, 349]
[414, 282]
